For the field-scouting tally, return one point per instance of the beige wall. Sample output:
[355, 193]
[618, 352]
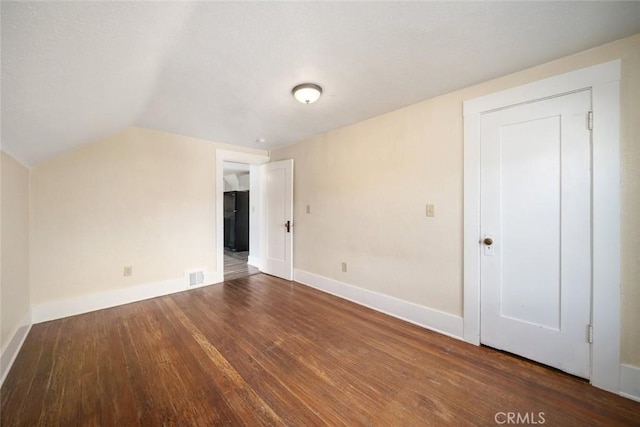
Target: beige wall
[139, 198]
[14, 288]
[368, 184]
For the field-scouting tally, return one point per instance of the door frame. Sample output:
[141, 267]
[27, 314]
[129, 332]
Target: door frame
[604, 82]
[221, 157]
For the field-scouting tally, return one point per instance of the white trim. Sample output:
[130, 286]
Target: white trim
[604, 81]
[255, 214]
[86, 303]
[600, 74]
[471, 230]
[630, 382]
[605, 351]
[428, 318]
[221, 157]
[12, 347]
[255, 261]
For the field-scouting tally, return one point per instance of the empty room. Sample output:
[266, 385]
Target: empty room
[320, 213]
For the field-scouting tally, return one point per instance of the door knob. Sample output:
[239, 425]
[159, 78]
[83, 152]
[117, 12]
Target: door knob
[287, 225]
[488, 241]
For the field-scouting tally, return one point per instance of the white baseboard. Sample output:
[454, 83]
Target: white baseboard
[254, 261]
[428, 318]
[630, 382]
[13, 346]
[86, 303]
[425, 317]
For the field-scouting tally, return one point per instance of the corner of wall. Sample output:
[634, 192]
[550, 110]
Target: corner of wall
[16, 218]
[12, 348]
[630, 382]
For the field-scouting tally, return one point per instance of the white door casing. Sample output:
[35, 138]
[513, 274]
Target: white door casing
[604, 82]
[535, 206]
[277, 241]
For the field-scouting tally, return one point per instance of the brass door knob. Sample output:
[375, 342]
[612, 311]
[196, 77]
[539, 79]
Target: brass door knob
[488, 241]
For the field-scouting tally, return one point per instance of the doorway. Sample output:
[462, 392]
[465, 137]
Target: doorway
[270, 217]
[238, 263]
[237, 221]
[602, 335]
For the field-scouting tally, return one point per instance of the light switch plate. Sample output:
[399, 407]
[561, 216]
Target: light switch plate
[431, 211]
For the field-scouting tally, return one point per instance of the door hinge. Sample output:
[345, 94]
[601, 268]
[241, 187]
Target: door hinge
[590, 334]
[590, 120]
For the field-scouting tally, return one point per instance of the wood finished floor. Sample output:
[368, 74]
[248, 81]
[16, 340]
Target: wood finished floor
[236, 266]
[264, 351]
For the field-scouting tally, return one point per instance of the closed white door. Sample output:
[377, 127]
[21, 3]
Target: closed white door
[536, 231]
[278, 219]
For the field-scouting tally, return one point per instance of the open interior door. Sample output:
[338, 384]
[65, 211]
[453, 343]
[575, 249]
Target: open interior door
[277, 238]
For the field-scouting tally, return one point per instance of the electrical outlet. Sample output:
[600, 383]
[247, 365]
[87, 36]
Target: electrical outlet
[128, 271]
[308, 209]
[431, 211]
[344, 267]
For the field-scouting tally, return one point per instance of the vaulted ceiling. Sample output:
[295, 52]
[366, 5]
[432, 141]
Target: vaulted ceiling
[74, 72]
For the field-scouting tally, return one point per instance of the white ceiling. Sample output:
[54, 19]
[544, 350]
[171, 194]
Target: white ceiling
[74, 72]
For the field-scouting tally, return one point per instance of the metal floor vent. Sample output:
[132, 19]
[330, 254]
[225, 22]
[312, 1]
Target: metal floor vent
[196, 278]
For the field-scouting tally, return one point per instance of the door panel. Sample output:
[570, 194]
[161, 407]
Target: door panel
[530, 162]
[536, 207]
[278, 238]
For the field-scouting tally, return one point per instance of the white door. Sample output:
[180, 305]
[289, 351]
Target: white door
[278, 219]
[536, 231]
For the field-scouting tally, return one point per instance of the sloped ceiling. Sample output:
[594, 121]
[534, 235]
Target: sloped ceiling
[74, 72]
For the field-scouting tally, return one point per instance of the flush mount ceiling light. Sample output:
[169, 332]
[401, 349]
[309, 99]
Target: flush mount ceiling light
[307, 93]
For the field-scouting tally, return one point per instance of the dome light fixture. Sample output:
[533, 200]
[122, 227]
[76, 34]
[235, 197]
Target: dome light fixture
[307, 93]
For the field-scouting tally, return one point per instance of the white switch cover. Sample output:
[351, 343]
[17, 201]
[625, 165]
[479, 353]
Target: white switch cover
[308, 209]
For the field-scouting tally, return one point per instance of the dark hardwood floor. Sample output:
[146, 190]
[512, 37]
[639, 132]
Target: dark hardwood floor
[236, 266]
[264, 351]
